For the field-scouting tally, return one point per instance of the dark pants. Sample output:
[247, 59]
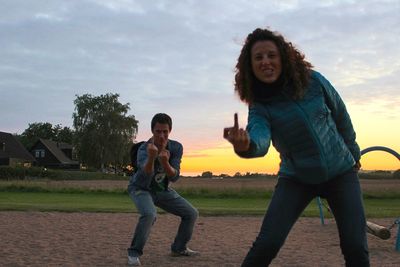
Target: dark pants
[290, 198]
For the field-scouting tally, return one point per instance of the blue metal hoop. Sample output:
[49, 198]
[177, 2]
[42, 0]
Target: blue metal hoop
[381, 148]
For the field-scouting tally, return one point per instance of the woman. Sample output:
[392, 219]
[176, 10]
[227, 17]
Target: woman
[302, 114]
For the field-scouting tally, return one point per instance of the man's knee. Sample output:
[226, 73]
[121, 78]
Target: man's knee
[148, 217]
[191, 214]
[194, 214]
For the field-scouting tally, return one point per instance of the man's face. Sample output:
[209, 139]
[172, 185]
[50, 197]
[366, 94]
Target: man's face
[160, 134]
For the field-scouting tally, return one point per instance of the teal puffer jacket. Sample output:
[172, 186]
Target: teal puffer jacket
[314, 136]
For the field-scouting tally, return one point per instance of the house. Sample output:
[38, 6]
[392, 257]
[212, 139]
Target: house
[54, 155]
[13, 153]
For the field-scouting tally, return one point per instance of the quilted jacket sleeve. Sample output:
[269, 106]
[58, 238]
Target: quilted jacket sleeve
[341, 117]
[259, 131]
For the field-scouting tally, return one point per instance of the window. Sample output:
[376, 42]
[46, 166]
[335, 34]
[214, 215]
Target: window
[39, 153]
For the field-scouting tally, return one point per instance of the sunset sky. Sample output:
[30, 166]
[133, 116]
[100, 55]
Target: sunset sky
[178, 57]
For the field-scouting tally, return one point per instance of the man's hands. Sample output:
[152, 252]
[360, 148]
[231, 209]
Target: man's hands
[238, 137]
[153, 153]
[152, 150]
[163, 156]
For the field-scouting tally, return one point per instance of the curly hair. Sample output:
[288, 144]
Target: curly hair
[295, 69]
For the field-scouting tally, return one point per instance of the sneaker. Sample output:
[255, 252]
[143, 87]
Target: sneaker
[133, 261]
[186, 252]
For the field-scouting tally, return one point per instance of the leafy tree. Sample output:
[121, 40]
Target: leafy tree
[237, 174]
[103, 130]
[207, 174]
[63, 134]
[45, 130]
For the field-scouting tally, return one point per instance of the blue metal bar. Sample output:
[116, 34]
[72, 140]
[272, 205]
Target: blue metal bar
[321, 212]
[398, 236]
[381, 148]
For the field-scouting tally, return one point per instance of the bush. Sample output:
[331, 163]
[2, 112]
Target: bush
[21, 173]
[396, 174]
[379, 175]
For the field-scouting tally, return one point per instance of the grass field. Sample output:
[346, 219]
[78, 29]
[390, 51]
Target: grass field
[369, 186]
[114, 202]
[210, 196]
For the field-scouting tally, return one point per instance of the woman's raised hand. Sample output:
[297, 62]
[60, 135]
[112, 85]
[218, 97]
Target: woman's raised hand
[238, 137]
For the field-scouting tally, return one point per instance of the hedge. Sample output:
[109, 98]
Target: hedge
[21, 173]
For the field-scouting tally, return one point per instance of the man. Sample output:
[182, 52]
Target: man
[158, 163]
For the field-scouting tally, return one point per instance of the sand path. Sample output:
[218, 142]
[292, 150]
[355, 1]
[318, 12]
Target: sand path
[101, 239]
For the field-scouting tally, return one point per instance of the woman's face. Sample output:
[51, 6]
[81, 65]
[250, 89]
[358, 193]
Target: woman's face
[266, 61]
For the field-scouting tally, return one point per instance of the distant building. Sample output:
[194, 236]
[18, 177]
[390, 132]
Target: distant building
[53, 155]
[13, 153]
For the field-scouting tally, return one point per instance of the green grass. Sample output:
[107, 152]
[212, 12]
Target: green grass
[40, 188]
[243, 193]
[120, 202]
[68, 202]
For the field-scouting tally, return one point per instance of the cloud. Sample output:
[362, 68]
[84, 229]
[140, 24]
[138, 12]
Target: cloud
[179, 57]
[121, 6]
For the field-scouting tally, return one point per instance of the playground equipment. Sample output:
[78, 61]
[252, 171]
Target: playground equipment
[378, 230]
[398, 235]
[381, 148]
[372, 228]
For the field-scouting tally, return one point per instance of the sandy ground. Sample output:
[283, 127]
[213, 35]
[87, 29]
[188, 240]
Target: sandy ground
[101, 239]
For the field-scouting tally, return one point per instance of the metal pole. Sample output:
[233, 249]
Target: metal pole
[398, 236]
[321, 212]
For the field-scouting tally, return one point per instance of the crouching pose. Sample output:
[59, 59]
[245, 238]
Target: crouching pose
[158, 164]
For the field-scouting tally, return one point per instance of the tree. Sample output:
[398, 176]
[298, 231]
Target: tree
[103, 130]
[45, 130]
[207, 174]
[63, 134]
[237, 174]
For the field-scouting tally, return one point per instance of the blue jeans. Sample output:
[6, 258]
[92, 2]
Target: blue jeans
[171, 202]
[289, 200]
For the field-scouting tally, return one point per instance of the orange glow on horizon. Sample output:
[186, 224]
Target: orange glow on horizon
[379, 160]
[223, 160]
[374, 122]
